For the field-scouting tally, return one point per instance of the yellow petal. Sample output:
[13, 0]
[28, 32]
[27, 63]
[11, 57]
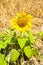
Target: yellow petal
[23, 14]
[30, 17]
[29, 24]
[18, 14]
[13, 21]
[24, 28]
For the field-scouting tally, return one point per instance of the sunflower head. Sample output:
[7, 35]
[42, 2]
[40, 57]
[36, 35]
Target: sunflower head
[22, 22]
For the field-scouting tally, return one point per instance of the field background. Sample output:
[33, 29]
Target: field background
[8, 9]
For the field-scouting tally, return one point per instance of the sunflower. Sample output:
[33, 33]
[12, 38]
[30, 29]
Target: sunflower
[22, 22]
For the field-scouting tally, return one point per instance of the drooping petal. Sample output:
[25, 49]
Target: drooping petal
[13, 21]
[29, 24]
[29, 17]
[23, 14]
[18, 15]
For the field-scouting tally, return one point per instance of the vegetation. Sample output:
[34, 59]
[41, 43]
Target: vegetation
[16, 48]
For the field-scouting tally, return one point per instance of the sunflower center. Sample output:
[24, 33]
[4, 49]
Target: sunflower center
[22, 22]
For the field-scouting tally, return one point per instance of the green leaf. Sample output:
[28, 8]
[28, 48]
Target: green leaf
[13, 40]
[1, 56]
[32, 40]
[26, 33]
[34, 52]
[30, 36]
[2, 44]
[3, 62]
[14, 55]
[27, 51]
[8, 40]
[6, 58]
[2, 34]
[21, 42]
